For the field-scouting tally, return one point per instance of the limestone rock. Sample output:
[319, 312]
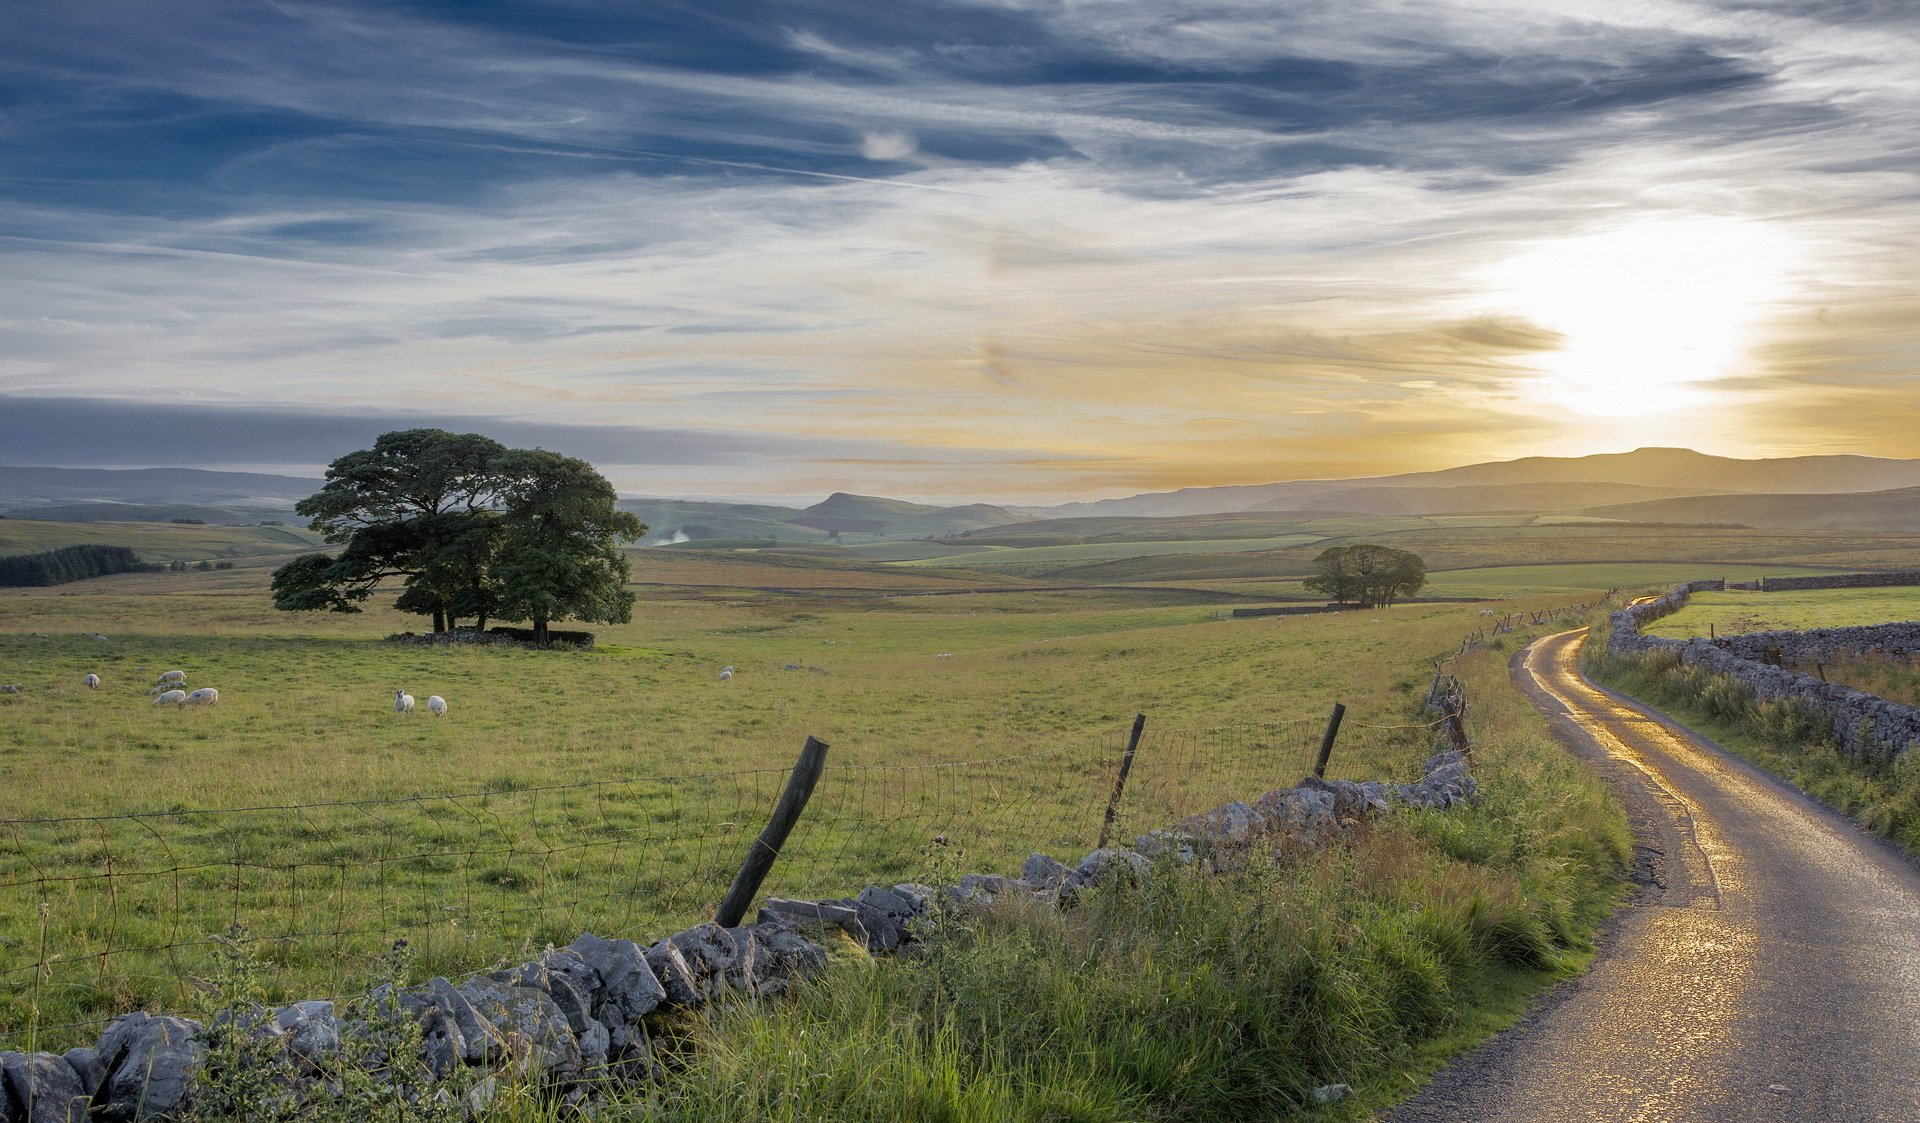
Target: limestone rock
[41, 1087]
[1043, 872]
[150, 1063]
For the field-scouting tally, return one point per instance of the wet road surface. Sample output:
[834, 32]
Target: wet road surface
[1769, 969]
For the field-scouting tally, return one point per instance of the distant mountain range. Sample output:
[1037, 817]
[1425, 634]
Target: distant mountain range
[1534, 483]
[1646, 485]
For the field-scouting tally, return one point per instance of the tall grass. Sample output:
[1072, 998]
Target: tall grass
[1197, 996]
[1879, 790]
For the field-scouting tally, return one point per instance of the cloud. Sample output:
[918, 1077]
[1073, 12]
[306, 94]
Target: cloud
[998, 238]
[887, 145]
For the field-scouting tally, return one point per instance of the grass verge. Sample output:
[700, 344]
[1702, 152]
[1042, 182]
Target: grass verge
[1787, 738]
[1199, 996]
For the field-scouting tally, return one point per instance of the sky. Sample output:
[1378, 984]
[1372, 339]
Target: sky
[954, 250]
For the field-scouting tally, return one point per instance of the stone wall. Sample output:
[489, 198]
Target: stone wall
[575, 1019]
[1842, 581]
[1862, 723]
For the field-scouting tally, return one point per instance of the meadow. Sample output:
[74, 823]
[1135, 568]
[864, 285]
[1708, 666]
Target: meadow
[611, 789]
[1739, 610]
[616, 789]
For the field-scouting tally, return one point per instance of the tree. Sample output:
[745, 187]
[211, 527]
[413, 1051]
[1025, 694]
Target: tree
[558, 552]
[474, 529]
[1367, 574]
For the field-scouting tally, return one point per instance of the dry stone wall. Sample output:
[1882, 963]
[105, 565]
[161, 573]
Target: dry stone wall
[577, 1018]
[1863, 724]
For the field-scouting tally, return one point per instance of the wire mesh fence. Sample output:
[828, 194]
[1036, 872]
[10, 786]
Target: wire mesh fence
[103, 914]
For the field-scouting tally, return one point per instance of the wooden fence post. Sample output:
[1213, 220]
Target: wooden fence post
[1120, 780]
[1326, 740]
[786, 812]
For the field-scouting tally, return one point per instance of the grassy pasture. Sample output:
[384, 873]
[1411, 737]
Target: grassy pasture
[159, 542]
[1739, 610]
[559, 792]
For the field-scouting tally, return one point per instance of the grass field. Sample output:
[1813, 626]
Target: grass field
[160, 542]
[1736, 610]
[611, 789]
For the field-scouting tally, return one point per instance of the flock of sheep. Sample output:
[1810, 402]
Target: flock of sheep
[403, 704]
[170, 689]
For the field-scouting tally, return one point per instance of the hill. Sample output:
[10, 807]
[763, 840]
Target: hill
[862, 517]
[1474, 499]
[1893, 511]
[1549, 476]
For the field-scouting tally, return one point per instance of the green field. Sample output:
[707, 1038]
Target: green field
[614, 790]
[160, 542]
[611, 789]
[1736, 610]
[1524, 580]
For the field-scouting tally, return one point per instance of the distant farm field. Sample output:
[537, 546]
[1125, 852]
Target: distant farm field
[1523, 580]
[158, 542]
[1736, 610]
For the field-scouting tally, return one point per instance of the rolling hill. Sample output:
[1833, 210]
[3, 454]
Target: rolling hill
[1893, 511]
[1551, 483]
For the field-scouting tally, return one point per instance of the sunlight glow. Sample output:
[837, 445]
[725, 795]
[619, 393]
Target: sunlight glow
[1650, 313]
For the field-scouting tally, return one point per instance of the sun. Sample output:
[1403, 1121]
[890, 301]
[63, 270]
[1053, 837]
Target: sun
[1650, 314]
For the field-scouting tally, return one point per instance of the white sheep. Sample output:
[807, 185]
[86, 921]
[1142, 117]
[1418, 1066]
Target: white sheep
[726, 673]
[205, 696]
[172, 698]
[436, 705]
[171, 678]
[92, 682]
[402, 702]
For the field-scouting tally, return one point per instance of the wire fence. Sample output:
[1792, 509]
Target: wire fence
[104, 914]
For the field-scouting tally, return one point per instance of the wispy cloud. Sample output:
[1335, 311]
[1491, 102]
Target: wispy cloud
[1238, 240]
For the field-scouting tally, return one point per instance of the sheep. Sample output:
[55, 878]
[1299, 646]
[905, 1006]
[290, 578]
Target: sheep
[402, 702]
[12, 688]
[205, 696]
[171, 678]
[436, 705]
[726, 673]
[92, 682]
[172, 698]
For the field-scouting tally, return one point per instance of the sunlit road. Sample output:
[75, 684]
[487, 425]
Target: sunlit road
[1770, 970]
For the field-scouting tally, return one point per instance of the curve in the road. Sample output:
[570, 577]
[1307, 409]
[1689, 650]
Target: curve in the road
[1770, 970]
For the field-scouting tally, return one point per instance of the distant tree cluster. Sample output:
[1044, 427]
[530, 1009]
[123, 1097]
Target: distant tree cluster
[198, 567]
[1367, 575]
[69, 563]
[473, 530]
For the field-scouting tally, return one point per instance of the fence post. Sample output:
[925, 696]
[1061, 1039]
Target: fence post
[1326, 741]
[786, 812]
[1120, 781]
[1457, 726]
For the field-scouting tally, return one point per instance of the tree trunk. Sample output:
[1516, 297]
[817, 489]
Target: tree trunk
[439, 619]
[540, 630]
[480, 623]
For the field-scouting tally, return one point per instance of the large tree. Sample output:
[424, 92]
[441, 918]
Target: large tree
[558, 554]
[472, 528]
[1367, 574]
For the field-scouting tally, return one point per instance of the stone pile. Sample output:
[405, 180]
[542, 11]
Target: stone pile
[579, 1014]
[1862, 723]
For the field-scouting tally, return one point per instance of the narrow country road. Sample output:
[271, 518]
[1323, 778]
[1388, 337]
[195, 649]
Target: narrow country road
[1769, 970]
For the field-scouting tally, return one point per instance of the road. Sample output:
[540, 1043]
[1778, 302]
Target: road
[1769, 969]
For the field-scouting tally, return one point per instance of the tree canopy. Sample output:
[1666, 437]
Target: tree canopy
[473, 529]
[1367, 574]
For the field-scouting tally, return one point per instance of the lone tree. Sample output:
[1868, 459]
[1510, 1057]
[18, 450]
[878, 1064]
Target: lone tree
[472, 528]
[1367, 575]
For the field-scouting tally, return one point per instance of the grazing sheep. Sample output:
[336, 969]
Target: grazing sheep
[172, 698]
[402, 702]
[436, 705]
[205, 696]
[726, 673]
[171, 678]
[92, 682]
[12, 688]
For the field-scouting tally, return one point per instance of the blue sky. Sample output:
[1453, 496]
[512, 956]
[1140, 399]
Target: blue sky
[991, 249]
